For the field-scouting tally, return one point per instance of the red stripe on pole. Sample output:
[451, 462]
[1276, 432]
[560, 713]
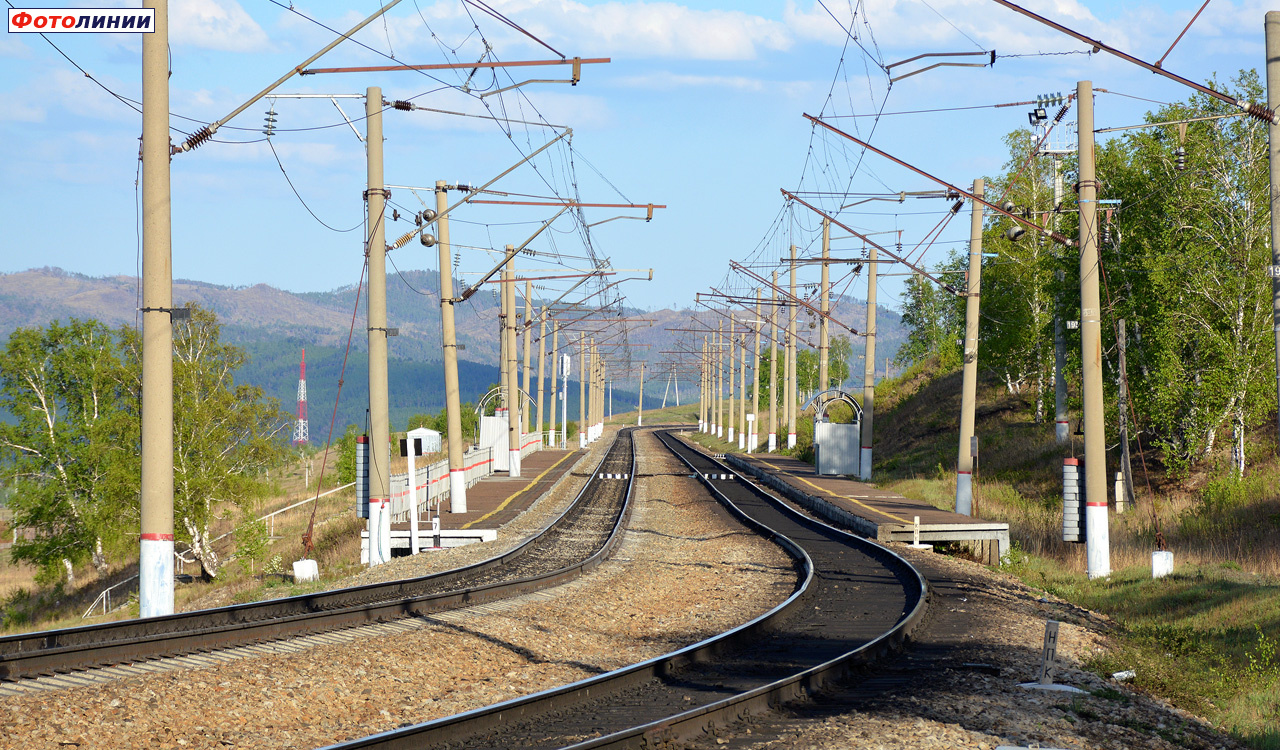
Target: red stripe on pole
[1102, 504]
[964, 472]
[158, 537]
[1071, 461]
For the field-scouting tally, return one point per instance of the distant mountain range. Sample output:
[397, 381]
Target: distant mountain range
[274, 325]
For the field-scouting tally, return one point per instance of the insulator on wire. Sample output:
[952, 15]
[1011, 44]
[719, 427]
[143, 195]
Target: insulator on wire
[270, 128]
[402, 105]
[1180, 159]
[1106, 234]
[1062, 112]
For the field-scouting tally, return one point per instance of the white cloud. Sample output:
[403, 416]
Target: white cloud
[215, 24]
[12, 46]
[949, 25]
[667, 81]
[619, 29]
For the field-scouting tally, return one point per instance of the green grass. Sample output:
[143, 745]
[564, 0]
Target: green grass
[1205, 638]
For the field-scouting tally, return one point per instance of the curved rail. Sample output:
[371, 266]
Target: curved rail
[777, 656]
[53, 651]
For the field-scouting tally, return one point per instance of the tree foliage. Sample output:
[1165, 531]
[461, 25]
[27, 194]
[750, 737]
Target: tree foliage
[934, 316]
[71, 453]
[225, 434]
[1184, 252]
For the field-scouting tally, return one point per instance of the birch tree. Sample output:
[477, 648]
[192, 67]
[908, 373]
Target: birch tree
[225, 435]
[70, 452]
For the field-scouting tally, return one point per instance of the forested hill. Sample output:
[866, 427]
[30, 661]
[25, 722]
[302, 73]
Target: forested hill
[273, 326]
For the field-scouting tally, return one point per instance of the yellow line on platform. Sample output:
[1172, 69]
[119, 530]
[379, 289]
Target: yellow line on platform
[853, 500]
[507, 502]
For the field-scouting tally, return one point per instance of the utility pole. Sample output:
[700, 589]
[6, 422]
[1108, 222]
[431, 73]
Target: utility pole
[732, 375]
[754, 442]
[452, 394]
[791, 360]
[824, 342]
[513, 390]
[869, 367]
[640, 408]
[719, 425]
[774, 332]
[555, 371]
[1098, 546]
[525, 422]
[582, 390]
[969, 383]
[1272, 32]
[379, 429]
[742, 396]
[155, 565]
[1062, 423]
[703, 388]
[1124, 498]
[542, 368]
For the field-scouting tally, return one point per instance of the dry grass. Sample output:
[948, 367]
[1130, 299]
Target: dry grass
[1206, 637]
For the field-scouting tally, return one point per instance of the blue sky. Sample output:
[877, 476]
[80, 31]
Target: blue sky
[700, 110]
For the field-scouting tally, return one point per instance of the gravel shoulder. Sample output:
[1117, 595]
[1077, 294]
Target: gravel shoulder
[684, 571]
[936, 699]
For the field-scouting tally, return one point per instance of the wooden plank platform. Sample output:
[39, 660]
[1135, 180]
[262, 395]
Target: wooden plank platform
[874, 512]
[498, 498]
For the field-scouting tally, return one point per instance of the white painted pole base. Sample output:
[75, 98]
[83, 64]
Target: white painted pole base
[742, 442]
[305, 570]
[514, 459]
[458, 491]
[964, 493]
[730, 434]
[1161, 563]
[582, 440]
[155, 577]
[1097, 539]
[791, 440]
[702, 426]
[1063, 431]
[773, 442]
[864, 464]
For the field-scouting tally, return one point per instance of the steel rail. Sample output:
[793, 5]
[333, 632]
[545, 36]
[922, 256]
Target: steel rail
[54, 651]
[477, 728]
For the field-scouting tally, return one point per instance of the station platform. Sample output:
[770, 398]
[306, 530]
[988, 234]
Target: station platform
[873, 512]
[491, 502]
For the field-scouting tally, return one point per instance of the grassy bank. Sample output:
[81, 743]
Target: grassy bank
[1204, 638]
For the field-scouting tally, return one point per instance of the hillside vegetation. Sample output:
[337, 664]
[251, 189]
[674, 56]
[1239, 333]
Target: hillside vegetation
[1205, 637]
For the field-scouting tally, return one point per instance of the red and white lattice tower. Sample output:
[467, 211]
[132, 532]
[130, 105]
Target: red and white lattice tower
[301, 433]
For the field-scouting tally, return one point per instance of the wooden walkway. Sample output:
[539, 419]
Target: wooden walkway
[882, 515]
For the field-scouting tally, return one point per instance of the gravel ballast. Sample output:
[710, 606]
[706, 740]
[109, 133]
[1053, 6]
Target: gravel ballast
[684, 571]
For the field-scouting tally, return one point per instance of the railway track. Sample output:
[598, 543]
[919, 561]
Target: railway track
[576, 541]
[856, 602]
